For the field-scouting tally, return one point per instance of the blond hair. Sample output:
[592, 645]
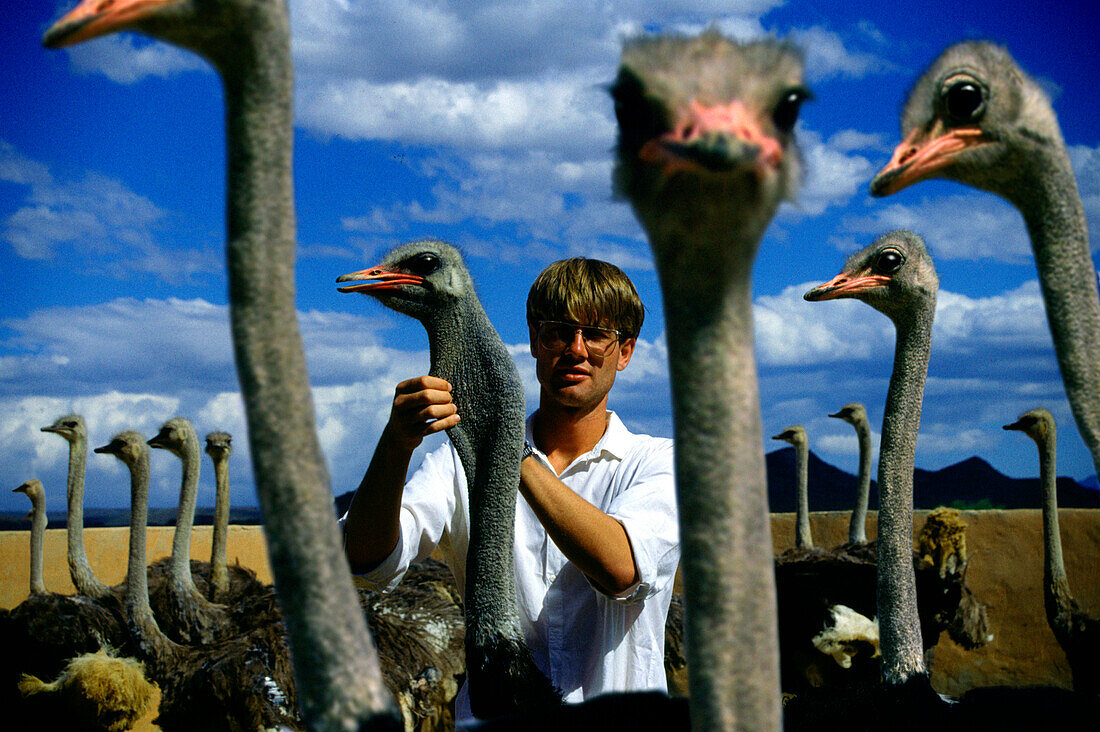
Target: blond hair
[586, 291]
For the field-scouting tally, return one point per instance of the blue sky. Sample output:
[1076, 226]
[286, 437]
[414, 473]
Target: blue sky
[488, 124]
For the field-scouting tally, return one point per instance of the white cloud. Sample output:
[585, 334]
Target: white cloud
[829, 55]
[126, 59]
[96, 222]
[963, 226]
[833, 173]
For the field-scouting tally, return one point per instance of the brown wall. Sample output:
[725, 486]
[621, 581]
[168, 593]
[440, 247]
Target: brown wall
[1005, 572]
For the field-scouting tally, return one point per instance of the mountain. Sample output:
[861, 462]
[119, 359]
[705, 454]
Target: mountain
[973, 483]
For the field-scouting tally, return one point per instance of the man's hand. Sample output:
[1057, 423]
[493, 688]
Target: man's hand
[421, 406]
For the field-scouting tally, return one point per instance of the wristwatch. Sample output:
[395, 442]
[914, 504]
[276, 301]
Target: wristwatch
[528, 451]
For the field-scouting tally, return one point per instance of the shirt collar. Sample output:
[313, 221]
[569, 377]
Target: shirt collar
[615, 441]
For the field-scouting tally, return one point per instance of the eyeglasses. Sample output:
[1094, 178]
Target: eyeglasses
[555, 337]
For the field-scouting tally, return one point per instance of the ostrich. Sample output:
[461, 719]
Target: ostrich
[186, 615]
[796, 435]
[72, 428]
[976, 118]
[241, 683]
[428, 280]
[248, 42]
[45, 631]
[895, 275]
[705, 154]
[1077, 632]
[856, 415]
[224, 583]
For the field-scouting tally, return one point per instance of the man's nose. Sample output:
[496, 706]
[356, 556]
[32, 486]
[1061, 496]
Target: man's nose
[577, 344]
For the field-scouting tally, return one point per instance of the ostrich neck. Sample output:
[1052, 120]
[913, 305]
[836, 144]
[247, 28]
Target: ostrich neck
[730, 634]
[899, 625]
[38, 539]
[1056, 592]
[857, 526]
[338, 678]
[80, 569]
[185, 518]
[219, 574]
[803, 539]
[468, 352]
[155, 647]
[1056, 223]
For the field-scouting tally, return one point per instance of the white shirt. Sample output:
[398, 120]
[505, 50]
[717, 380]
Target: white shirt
[585, 641]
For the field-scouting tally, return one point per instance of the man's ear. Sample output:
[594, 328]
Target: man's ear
[533, 335]
[626, 350]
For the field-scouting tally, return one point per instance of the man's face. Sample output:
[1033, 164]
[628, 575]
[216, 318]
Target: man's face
[574, 377]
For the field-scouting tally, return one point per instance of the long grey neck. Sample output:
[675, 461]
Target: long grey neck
[339, 681]
[1056, 591]
[38, 539]
[857, 526]
[803, 539]
[899, 625]
[155, 647]
[219, 574]
[185, 518]
[467, 351]
[1055, 219]
[730, 633]
[80, 569]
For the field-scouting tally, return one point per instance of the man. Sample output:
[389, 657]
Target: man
[596, 541]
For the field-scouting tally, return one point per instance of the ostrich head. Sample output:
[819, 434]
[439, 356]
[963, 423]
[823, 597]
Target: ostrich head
[853, 413]
[71, 427]
[215, 29]
[129, 447]
[894, 275]
[795, 435]
[32, 489]
[706, 134]
[1038, 424]
[177, 436]
[219, 445]
[419, 279]
[973, 117]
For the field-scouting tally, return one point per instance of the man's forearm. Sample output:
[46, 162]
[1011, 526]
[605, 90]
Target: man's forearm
[371, 529]
[593, 541]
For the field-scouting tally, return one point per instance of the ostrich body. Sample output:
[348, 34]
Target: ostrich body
[427, 280]
[856, 415]
[705, 154]
[1077, 632]
[241, 683]
[976, 118]
[45, 631]
[72, 428]
[796, 436]
[248, 43]
[186, 615]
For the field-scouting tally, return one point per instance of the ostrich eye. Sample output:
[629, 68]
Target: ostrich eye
[786, 112]
[888, 261]
[424, 264]
[964, 101]
[640, 118]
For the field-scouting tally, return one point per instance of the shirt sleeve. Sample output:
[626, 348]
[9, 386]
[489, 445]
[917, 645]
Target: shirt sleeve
[427, 505]
[646, 508]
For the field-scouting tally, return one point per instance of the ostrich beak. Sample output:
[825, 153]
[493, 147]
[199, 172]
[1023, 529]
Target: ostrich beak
[716, 138]
[51, 428]
[94, 18]
[921, 154]
[377, 278]
[1021, 424]
[844, 285]
[838, 415]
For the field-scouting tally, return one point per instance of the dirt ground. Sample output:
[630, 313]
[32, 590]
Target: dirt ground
[1005, 572]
